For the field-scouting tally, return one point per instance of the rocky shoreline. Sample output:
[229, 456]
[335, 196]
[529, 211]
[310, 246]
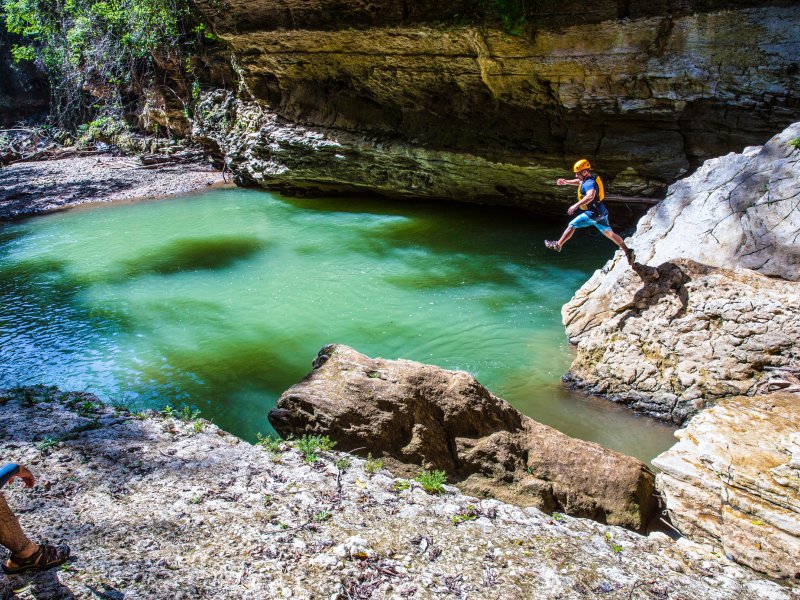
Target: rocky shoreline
[32, 188]
[162, 505]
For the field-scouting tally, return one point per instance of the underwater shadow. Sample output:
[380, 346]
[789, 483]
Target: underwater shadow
[659, 282]
[194, 254]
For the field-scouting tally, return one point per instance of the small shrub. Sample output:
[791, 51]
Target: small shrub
[87, 408]
[268, 442]
[188, 414]
[795, 143]
[343, 463]
[198, 426]
[46, 445]
[309, 445]
[432, 481]
[401, 484]
[557, 516]
[373, 465]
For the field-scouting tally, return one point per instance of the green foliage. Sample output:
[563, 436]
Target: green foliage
[467, 514]
[104, 45]
[401, 485]
[309, 445]
[268, 442]
[47, 444]
[795, 143]
[186, 413]
[373, 465]
[343, 463]
[321, 516]
[21, 53]
[512, 15]
[432, 481]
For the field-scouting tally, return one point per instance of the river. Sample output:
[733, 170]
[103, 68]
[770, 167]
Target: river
[220, 300]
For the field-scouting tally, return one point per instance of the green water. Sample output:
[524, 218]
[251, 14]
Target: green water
[222, 299]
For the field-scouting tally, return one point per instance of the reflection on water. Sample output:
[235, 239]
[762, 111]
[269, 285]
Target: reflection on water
[222, 300]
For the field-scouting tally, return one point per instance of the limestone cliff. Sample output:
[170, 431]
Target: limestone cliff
[712, 301]
[410, 101]
[733, 480]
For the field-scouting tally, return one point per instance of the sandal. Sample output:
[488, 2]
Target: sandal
[46, 557]
[630, 256]
[552, 245]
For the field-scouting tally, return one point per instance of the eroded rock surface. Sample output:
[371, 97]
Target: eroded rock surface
[414, 414]
[414, 102]
[156, 507]
[733, 480]
[672, 334]
[676, 337]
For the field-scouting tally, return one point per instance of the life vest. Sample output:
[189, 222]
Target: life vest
[599, 196]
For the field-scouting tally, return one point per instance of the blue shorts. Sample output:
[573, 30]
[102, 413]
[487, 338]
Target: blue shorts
[584, 221]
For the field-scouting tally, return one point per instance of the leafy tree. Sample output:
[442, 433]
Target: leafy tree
[112, 47]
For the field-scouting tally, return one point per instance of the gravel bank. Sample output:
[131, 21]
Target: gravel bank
[159, 507]
[39, 187]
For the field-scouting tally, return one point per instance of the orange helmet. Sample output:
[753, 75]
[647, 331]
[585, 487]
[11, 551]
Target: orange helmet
[581, 165]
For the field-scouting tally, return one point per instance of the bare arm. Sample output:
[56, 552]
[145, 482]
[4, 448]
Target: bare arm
[586, 199]
[563, 181]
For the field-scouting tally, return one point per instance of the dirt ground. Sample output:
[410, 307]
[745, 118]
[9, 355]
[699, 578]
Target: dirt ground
[38, 187]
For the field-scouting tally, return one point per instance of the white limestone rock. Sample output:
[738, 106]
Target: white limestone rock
[733, 481]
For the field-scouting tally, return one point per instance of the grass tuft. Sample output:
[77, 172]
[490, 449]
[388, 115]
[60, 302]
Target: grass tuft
[432, 481]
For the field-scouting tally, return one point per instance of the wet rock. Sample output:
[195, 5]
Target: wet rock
[733, 480]
[420, 415]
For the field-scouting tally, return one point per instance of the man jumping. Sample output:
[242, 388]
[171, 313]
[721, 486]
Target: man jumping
[590, 201]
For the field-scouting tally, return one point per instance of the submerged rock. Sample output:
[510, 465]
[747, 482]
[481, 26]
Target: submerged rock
[671, 334]
[733, 480]
[414, 414]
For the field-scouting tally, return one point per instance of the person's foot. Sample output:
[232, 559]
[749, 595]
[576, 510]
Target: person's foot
[629, 255]
[552, 245]
[46, 557]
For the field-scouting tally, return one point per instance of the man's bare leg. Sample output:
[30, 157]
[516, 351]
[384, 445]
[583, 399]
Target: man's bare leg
[621, 243]
[11, 534]
[565, 236]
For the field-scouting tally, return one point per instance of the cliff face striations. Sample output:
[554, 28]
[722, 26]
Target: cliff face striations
[411, 103]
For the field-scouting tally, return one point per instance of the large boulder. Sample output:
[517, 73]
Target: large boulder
[678, 336]
[413, 415]
[733, 480]
[712, 298]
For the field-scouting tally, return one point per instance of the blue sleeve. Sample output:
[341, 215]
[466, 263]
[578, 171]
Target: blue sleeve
[7, 472]
[588, 186]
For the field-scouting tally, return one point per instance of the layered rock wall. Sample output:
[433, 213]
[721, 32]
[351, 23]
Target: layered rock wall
[733, 480]
[392, 84]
